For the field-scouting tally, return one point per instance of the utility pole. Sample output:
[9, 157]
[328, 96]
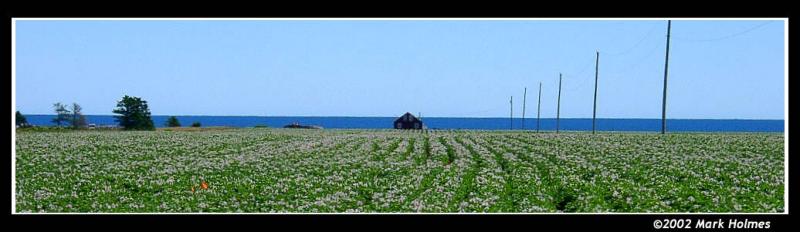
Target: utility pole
[664, 99]
[524, 98]
[539, 107]
[511, 115]
[594, 110]
[558, 107]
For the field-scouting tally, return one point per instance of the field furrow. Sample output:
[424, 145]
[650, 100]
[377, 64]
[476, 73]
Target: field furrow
[284, 170]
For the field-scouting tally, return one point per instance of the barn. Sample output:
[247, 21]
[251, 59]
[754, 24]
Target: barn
[408, 121]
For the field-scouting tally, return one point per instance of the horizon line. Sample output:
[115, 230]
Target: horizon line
[335, 116]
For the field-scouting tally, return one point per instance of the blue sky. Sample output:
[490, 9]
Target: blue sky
[717, 70]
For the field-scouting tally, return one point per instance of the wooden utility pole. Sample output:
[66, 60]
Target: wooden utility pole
[511, 115]
[539, 107]
[594, 110]
[664, 99]
[524, 98]
[558, 107]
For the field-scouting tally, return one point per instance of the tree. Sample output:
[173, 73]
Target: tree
[78, 120]
[21, 120]
[196, 124]
[134, 114]
[62, 114]
[173, 122]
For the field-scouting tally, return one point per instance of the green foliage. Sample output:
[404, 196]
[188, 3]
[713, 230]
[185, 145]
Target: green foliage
[77, 120]
[196, 124]
[21, 121]
[62, 114]
[255, 170]
[173, 122]
[133, 114]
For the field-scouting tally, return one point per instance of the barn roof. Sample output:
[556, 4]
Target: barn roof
[408, 117]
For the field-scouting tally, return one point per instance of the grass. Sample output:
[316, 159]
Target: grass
[211, 128]
[284, 170]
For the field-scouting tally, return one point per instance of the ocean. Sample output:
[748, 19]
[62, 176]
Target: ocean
[569, 124]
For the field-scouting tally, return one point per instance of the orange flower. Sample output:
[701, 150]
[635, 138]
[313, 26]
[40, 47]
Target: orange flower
[204, 185]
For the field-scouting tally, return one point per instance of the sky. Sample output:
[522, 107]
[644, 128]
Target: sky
[719, 69]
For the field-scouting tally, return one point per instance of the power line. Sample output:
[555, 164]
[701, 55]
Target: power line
[582, 81]
[649, 32]
[584, 69]
[725, 37]
[638, 63]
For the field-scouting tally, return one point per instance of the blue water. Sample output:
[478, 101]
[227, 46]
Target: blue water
[689, 125]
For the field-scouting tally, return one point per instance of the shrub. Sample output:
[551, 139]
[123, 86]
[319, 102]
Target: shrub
[134, 114]
[173, 122]
[22, 122]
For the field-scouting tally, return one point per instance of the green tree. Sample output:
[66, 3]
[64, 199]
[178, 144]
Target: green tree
[78, 119]
[134, 114]
[62, 114]
[21, 120]
[173, 122]
[196, 124]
